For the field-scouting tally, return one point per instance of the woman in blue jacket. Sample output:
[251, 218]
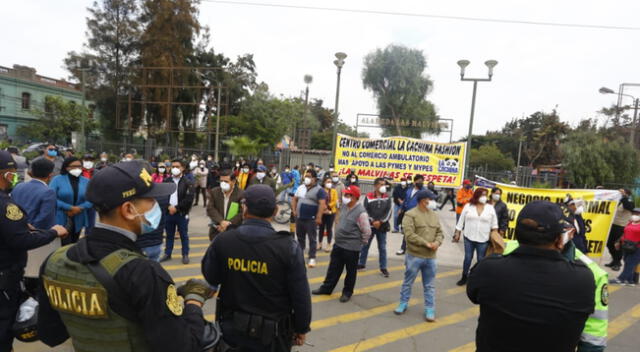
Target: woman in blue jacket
[72, 206]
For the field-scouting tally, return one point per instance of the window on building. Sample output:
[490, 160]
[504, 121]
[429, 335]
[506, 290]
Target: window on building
[47, 105]
[26, 101]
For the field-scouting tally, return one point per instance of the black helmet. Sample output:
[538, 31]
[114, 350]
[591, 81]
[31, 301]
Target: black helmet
[25, 329]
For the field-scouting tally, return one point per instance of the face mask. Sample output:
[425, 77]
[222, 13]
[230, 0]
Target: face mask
[286, 170]
[237, 165]
[482, 199]
[225, 186]
[635, 218]
[495, 197]
[419, 185]
[432, 205]
[327, 185]
[346, 200]
[353, 180]
[246, 171]
[383, 189]
[431, 186]
[330, 169]
[260, 175]
[152, 218]
[335, 179]
[176, 171]
[75, 172]
[193, 164]
[87, 164]
[161, 170]
[565, 237]
[209, 158]
[579, 210]
[307, 181]
[104, 160]
[273, 171]
[403, 183]
[202, 166]
[52, 152]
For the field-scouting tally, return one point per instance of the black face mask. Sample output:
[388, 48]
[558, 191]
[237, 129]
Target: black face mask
[419, 185]
[431, 187]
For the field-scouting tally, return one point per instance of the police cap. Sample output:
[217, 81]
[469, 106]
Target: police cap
[123, 182]
[542, 216]
[6, 160]
[260, 200]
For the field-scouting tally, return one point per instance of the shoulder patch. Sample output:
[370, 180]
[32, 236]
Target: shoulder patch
[174, 303]
[14, 213]
[604, 295]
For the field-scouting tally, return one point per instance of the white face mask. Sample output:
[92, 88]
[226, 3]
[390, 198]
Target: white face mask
[75, 172]
[335, 179]
[104, 160]
[128, 159]
[383, 189]
[307, 181]
[346, 200]
[225, 186]
[237, 165]
[579, 210]
[327, 185]
[202, 166]
[260, 175]
[286, 170]
[353, 180]
[161, 170]
[565, 237]
[193, 164]
[403, 183]
[482, 199]
[176, 171]
[635, 218]
[246, 171]
[87, 164]
[432, 205]
[495, 197]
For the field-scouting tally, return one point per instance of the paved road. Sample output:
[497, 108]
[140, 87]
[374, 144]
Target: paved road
[367, 322]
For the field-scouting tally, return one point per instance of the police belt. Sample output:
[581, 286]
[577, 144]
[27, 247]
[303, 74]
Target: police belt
[258, 327]
[10, 278]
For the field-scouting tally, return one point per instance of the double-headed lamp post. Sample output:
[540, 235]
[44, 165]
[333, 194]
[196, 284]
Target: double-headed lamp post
[339, 62]
[83, 121]
[463, 65]
[636, 102]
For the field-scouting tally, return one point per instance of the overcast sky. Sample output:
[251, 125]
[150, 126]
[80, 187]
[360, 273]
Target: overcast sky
[540, 67]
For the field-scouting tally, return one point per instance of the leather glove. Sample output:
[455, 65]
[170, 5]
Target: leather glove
[197, 290]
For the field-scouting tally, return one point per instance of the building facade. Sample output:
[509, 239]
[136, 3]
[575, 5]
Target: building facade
[23, 94]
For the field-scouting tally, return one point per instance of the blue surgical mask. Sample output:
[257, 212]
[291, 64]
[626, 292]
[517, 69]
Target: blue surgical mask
[152, 218]
[52, 152]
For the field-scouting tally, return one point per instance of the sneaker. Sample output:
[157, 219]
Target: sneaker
[361, 267]
[326, 247]
[462, 281]
[319, 246]
[384, 272]
[312, 263]
[165, 258]
[185, 259]
[400, 252]
[616, 282]
[610, 264]
[615, 267]
[430, 314]
[631, 284]
[400, 309]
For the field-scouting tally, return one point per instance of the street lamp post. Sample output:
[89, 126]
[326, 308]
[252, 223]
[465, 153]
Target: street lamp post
[463, 65]
[636, 103]
[339, 62]
[304, 135]
[83, 119]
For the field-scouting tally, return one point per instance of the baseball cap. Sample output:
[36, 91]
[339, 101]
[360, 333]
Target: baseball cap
[260, 200]
[6, 160]
[425, 193]
[123, 182]
[352, 190]
[542, 216]
[466, 182]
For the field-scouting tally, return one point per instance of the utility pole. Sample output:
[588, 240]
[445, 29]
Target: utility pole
[339, 62]
[216, 156]
[307, 79]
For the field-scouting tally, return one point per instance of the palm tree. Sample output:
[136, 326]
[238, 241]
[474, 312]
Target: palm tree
[243, 146]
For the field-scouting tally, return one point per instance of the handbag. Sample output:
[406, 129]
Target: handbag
[496, 244]
[628, 246]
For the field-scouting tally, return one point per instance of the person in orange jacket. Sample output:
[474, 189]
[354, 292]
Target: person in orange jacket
[463, 197]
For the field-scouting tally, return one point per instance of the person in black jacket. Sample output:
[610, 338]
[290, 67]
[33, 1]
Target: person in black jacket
[501, 210]
[399, 193]
[576, 207]
[180, 203]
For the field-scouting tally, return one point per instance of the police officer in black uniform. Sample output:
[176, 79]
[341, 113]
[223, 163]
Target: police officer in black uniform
[264, 302]
[121, 302]
[16, 238]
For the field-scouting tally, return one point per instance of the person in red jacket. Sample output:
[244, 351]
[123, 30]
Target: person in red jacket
[88, 165]
[631, 257]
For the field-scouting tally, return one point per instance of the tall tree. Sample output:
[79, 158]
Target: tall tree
[396, 77]
[491, 158]
[56, 121]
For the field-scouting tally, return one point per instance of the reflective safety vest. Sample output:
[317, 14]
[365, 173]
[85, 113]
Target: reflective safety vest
[596, 326]
[82, 303]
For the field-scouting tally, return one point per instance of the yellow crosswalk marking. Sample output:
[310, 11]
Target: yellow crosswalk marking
[375, 288]
[471, 346]
[623, 321]
[410, 331]
[387, 308]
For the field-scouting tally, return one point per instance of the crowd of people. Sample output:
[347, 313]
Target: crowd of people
[58, 196]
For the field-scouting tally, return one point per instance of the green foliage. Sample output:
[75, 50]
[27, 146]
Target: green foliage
[322, 139]
[57, 122]
[396, 77]
[244, 146]
[490, 157]
[540, 184]
[593, 159]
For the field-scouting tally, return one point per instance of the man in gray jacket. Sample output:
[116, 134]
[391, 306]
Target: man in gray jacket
[353, 231]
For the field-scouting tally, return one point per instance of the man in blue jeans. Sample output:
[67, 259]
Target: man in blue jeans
[178, 211]
[378, 206]
[423, 233]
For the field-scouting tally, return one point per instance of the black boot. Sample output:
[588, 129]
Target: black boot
[463, 281]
